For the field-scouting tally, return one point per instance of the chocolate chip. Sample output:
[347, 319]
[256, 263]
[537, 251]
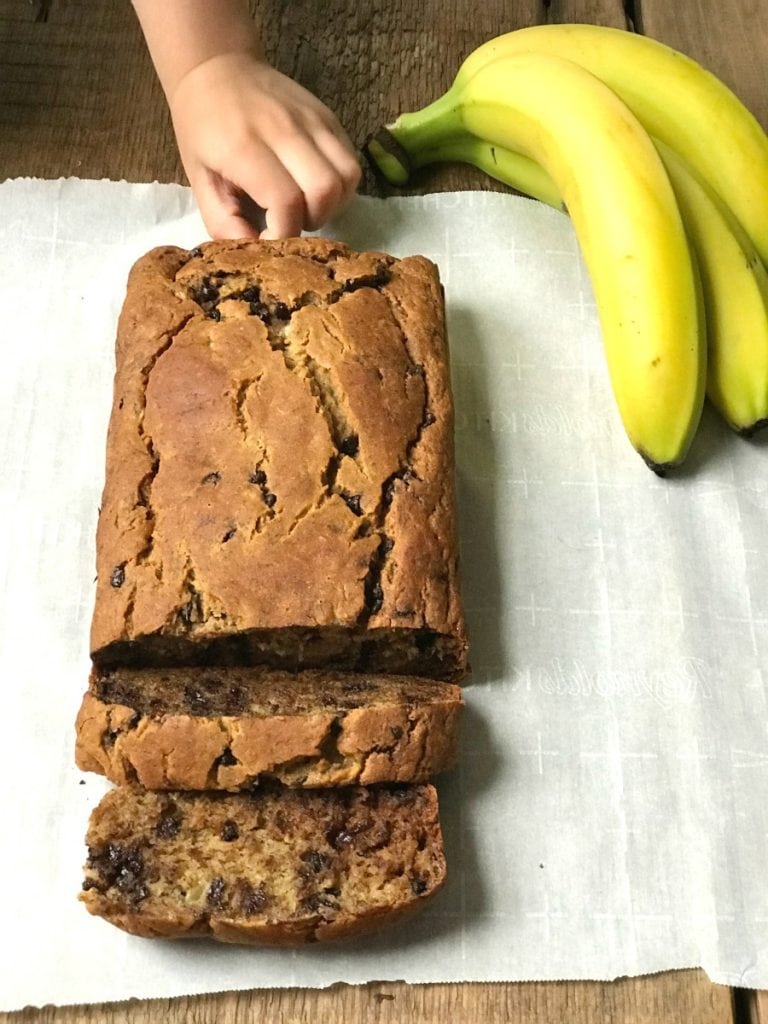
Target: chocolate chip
[229, 831]
[251, 899]
[418, 886]
[386, 545]
[316, 860]
[195, 253]
[208, 292]
[282, 312]
[338, 837]
[199, 702]
[226, 759]
[429, 419]
[121, 866]
[260, 310]
[259, 478]
[214, 314]
[349, 445]
[139, 893]
[229, 534]
[352, 501]
[251, 294]
[396, 731]
[117, 577]
[211, 478]
[169, 824]
[377, 280]
[317, 900]
[372, 835]
[215, 895]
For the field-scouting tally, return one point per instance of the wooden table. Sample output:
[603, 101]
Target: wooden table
[78, 97]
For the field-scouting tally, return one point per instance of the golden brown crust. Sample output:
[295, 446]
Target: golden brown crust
[275, 868]
[309, 729]
[287, 934]
[280, 480]
[279, 495]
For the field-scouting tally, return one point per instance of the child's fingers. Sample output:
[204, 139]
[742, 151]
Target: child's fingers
[320, 182]
[259, 173]
[339, 153]
[219, 208]
[284, 220]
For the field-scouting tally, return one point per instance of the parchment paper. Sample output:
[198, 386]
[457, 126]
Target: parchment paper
[609, 815]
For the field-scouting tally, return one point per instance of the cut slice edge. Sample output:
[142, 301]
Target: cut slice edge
[231, 728]
[276, 867]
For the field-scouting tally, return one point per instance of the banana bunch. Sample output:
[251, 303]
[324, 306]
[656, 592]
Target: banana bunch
[664, 174]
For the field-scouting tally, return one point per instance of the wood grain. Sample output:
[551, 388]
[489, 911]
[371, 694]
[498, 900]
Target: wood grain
[756, 1008]
[682, 997]
[595, 12]
[78, 96]
[729, 38]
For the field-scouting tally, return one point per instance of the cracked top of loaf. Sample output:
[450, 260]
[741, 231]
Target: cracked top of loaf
[279, 480]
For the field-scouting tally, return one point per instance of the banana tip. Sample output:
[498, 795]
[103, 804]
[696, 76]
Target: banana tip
[659, 468]
[388, 157]
[753, 428]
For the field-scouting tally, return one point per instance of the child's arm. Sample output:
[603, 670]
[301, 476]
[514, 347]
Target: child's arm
[244, 130]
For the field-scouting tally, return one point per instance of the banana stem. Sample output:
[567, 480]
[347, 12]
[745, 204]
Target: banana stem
[395, 148]
[389, 158]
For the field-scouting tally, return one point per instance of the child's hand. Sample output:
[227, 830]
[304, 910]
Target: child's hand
[264, 157]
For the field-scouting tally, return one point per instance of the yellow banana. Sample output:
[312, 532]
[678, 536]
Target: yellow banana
[677, 101]
[735, 292]
[626, 219]
[733, 278]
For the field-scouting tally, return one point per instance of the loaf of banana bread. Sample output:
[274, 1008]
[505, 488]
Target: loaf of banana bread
[278, 866]
[280, 481]
[232, 728]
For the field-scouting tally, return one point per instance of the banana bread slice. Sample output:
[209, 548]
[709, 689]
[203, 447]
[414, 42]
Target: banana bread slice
[229, 728]
[279, 482]
[278, 867]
